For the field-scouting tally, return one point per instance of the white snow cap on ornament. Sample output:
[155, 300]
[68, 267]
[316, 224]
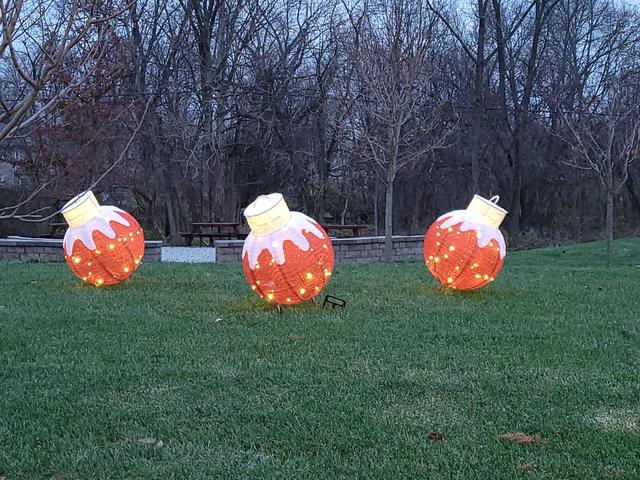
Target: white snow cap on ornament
[272, 223]
[482, 215]
[85, 217]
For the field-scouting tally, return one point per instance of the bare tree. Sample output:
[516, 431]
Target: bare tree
[598, 110]
[222, 30]
[606, 141]
[400, 116]
[474, 46]
[157, 34]
[37, 38]
[518, 53]
[17, 211]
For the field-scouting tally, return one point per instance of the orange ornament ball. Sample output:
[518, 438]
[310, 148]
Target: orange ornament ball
[104, 245]
[465, 249]
[288, 257]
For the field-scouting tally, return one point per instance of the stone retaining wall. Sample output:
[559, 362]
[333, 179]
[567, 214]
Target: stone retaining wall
[50, 250]
[358, 249]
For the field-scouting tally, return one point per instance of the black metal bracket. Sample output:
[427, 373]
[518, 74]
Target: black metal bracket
[334, 302]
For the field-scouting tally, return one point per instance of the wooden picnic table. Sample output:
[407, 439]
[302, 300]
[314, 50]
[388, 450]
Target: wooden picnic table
[212, 231]
[54, 229]
[356, 230]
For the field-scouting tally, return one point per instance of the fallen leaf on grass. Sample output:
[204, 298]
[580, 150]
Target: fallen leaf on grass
[151, 441]
[435, 436]
[520, 437]
[613, 473]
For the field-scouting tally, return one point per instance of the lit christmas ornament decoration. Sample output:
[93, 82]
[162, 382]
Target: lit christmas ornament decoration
[287, 258]
[464, 249]
[103, 245]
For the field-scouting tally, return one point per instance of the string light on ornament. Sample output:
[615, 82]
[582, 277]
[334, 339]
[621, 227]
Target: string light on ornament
[103, 245]
[287, 258]
[465, 249]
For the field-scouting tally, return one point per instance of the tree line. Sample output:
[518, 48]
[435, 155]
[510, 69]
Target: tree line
[383, 112]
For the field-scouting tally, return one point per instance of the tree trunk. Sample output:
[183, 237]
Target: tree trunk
[516, 188]
[219, 194]
[633, 193]
[376, 216]
[206, 128]
[207, 151]
[345, 210]
[172, 221]
[609, 225]
[388, 222]
[478, 93]
[475, 149]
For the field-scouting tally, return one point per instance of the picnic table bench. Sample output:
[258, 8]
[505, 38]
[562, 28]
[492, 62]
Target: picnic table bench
[212, 231]
[356, 230]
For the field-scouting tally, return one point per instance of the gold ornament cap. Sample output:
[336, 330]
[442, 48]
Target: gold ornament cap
[80, 209]
[488, 210]
[267, 214]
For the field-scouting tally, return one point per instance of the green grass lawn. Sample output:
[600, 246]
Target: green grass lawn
[92, 379]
